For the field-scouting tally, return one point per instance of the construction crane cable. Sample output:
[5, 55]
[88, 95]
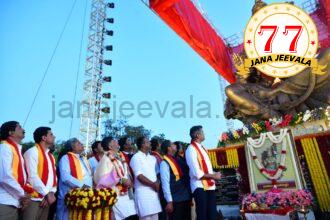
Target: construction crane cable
[78, 67]
[50, 61]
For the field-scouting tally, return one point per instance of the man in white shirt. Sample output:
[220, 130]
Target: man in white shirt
[146, 184]
[40, 168]
[12, 181]
[202, 176]
[81, 177]
[97, 155]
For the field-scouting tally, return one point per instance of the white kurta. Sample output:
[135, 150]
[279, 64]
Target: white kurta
[10, 190]
[146, 199]
[31, 158]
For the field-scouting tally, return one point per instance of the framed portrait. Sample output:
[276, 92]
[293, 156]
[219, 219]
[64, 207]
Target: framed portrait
[272, 161]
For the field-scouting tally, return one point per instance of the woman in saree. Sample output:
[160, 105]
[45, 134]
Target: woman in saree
[113, 172]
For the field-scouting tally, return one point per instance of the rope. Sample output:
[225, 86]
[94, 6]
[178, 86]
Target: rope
[50, 61]
[78, 67]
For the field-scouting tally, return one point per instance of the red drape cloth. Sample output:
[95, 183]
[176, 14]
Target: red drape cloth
[324, 146]
[243, 170]
[321, 17]
[222, 158]
[187, 21]
[325, 6]
[280, 211]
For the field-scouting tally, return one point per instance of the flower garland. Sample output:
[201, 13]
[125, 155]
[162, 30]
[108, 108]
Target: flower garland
[251, 144]
[256, 128]
[86, 203]
[213, 158]
[232, 158]
[120, 169]
[318, 172]
[277, 139]
[277, 200]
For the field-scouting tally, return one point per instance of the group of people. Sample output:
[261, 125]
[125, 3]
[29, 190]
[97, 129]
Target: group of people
[159, 181]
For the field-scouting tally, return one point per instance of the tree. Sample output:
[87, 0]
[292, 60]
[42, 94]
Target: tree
[115, 129]
[27, 145]
[58, 148]
[55, 150]
[159, 137]
[134, 132]
[120, 128]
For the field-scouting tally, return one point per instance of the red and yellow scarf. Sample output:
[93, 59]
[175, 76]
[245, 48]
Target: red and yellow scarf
[18, 169]
[17, 163]
[207, 183]
[75, 166]
[125, 157]
[176, 169]
[118, 167]
[43, 170]
[126, 160]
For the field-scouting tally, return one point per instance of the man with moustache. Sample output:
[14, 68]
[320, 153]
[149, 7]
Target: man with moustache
[41, 172]
[12, 173]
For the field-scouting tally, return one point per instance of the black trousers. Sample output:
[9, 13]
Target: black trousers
[132, 217]
[205, 200]
[181, 211]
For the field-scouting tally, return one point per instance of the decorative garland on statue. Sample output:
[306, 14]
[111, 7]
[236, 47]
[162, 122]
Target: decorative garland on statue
[257, 143]
[256, 128]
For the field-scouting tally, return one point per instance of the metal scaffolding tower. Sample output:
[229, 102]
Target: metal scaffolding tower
[90, 122]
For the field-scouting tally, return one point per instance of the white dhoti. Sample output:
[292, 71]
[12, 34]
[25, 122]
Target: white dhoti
[124, 207]
[147, 201]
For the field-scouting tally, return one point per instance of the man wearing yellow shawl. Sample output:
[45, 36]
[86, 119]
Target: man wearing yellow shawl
[74, 172]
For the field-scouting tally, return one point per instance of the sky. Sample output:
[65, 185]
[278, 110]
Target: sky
[154, 72]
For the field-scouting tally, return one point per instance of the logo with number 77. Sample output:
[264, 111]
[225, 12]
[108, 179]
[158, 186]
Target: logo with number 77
[280, 40]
